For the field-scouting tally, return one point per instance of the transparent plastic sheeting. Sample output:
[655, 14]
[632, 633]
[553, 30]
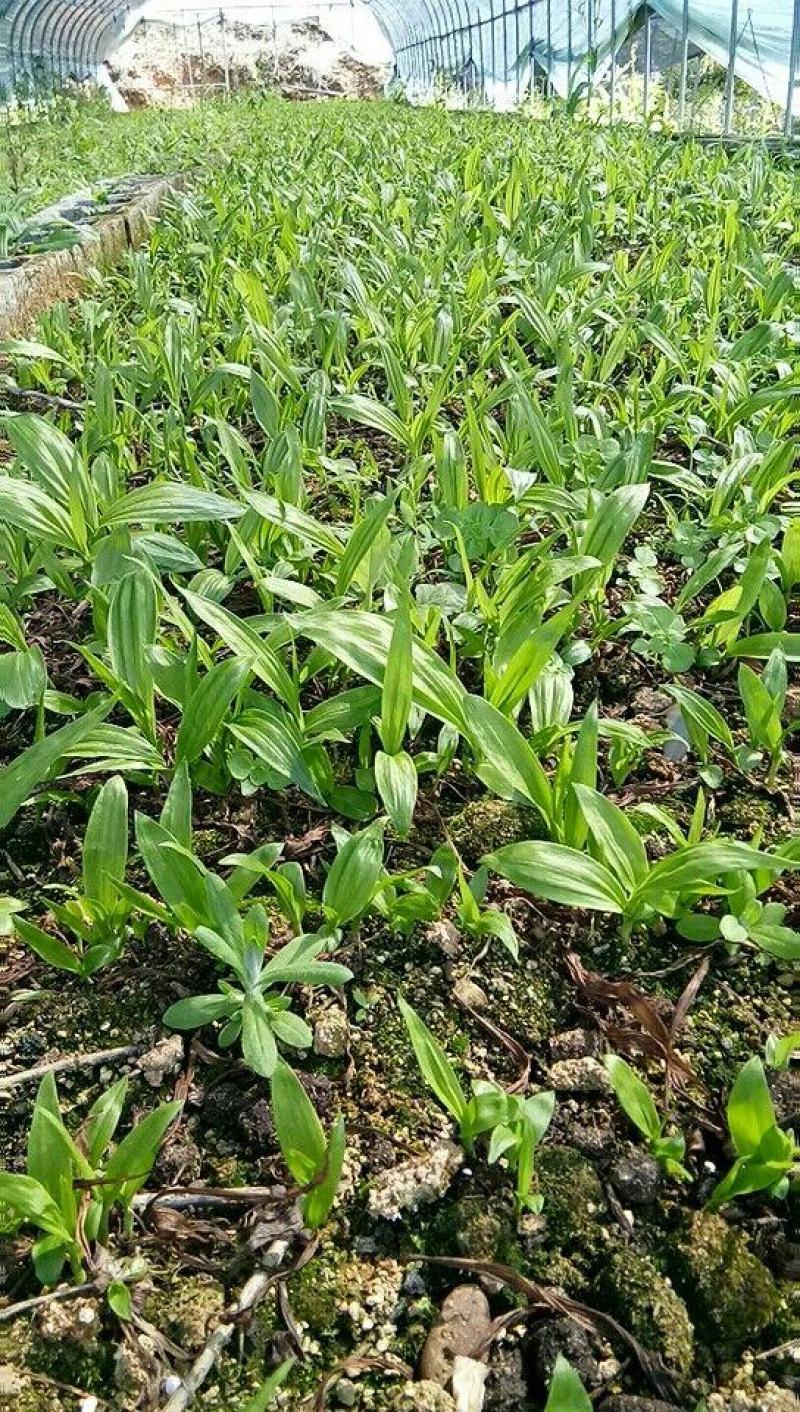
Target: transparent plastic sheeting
[500, 45]
[572, 42]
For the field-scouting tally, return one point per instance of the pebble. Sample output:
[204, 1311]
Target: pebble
[171, 1384]
[445, 936]
[468, 993]
[586, 1075]
[636, 1177]
[332, 1033]
[417, 1182]
[163, 1059]
[463, 1321]
[345, 1393]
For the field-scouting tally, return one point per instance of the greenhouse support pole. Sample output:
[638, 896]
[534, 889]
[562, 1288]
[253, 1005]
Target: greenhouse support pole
[531, 64]
[549, 24]
[684, 65]
[223, 32]
[729, 76]
[493, 41]
[794, 60]
[505, 43]
[613, 75]
[648, 55]
[589, 49]
[517, 44]
[569, 48]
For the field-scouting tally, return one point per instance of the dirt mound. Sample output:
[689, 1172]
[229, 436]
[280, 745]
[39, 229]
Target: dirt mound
[161, 64]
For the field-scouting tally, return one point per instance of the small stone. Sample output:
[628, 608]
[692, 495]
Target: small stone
[507, 1388]
[417, 1182]
[556, 1338]
[470, 994]
[171, 1384]
[636, 1177]
[463, 1320]
[345, 1393]
[11, 1380]
[575, 1044]
[332, 1033]
[88, 1404]
[623, 1403]
[423, 1396]
[586, 1075]
[785, 1089]
[75, 1322]
[445, 936]
[163, 1059]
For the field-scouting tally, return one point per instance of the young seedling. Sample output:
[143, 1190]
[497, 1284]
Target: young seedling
[765, 1153]
[517, 1125]
[616, 875]
[98, 917]
[72, 1183]
[314, 1160]
[636, 1101]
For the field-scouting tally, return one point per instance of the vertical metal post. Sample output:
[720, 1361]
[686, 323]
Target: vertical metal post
[531, 61]
[493, 42]
[481, 60]
[684, 65]
[613, 77]
[569, 48]
[590, 49]
[648, 55]
[505, 43]
[794, 61]
[549, 25]
[223, 33]
[729, 76]
[517, 45]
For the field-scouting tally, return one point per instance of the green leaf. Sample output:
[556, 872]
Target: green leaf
[178, 875]
[119, 1299]
[508, 765]
[750, 1110]
[763, 644]
[38, 515]
[199, 1010]
[133, 1159]
[30, 1201]
[436, 1068]
[37, 763]
[634, 1097]
[559, 874]
[396, 781]
[567, 1393]
[702, 863]
[207, 706]
[398, 688]
[263, 1399]
[258, 1041]
[105, 843]
[696, 709]
[241, 638]
[361, 541]
[318, 1202]
[296, 522]
[354, 874]
[51, 950]
[132, 624]
[297, 1127]
[363, 640]
[529, 660]
[104, 1116]
[614, 837]
[167, 502]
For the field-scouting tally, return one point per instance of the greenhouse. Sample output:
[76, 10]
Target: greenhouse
[399, 706]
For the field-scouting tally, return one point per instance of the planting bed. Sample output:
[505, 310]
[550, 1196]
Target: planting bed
[408, 563]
